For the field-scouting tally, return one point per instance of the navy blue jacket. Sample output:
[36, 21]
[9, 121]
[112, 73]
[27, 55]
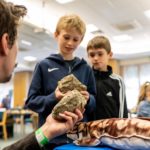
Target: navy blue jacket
[41, 96]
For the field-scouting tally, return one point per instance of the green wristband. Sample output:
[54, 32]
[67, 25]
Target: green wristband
[41, 138]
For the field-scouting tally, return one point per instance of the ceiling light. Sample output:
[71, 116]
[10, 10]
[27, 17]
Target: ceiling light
[121, 38]
[64, 1]
[147, 13]
[30, 58]
[91, 28]
[26, 42]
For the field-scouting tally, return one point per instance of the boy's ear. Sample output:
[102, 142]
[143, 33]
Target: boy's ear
[55, 34]
[111, 54]
[4, 46]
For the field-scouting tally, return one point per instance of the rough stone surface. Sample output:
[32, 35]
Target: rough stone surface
[69, 83]
[72, 100]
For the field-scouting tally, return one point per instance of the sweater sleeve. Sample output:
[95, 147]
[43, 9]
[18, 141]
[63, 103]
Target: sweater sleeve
[124, 102]
[36, 101]
[27, 143]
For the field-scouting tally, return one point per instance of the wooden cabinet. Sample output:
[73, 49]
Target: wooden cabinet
[21, 84]
[115, 65]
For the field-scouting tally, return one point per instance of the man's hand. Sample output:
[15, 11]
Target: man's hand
[53, 128]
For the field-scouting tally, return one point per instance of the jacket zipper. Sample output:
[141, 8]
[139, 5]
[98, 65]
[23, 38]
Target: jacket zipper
[70, 70]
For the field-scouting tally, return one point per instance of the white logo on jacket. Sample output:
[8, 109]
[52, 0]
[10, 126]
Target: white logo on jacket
[52, 69]
[109, 94]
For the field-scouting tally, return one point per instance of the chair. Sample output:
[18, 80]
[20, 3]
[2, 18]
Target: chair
[35, 120]
[3, 124]
[31, 117]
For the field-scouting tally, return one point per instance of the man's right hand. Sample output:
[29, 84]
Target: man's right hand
[53, 128]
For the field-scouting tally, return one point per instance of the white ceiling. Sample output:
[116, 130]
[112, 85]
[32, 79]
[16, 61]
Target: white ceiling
[108, 15]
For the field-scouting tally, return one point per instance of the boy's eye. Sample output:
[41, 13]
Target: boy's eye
[75, 40]
[92, 54]
[66, 37]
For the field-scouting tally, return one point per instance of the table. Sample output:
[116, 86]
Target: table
[74, 147]
[21, 113]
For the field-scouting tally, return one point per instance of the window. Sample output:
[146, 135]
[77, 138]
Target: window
[134, 76]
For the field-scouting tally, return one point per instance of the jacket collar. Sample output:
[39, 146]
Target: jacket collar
[59, 59]
[103, 74]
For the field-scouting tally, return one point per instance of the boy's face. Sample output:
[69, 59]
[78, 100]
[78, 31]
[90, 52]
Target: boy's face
[99, 58]
[68, 41]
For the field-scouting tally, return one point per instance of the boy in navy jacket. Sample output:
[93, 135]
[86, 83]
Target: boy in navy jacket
[43, 92]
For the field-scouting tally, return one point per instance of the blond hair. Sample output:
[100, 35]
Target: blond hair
[68, 22]
[142, 94]
[99, 42]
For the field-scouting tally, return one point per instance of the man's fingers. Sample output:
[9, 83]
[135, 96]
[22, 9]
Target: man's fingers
[80, 114]
[72, 118]
[73, 115]
[69, 121]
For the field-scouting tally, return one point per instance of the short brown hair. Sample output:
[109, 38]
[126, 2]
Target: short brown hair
[71, 21]
[9, 19]
[99, 42]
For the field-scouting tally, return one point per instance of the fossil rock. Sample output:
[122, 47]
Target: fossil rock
[69, 83]
[72, 100]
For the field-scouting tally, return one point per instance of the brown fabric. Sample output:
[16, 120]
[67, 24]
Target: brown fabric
[114, 127]
[27, 143]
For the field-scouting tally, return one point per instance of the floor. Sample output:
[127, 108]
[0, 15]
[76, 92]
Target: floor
[17, 135]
